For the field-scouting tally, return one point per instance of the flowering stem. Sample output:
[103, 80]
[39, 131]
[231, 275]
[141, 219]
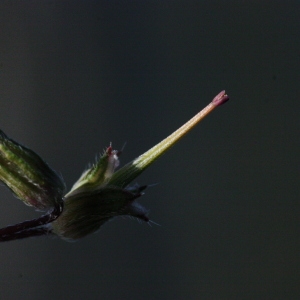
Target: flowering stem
[95, 198]
[130, 171]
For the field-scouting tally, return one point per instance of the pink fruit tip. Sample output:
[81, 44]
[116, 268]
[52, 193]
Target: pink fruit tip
[220, 99]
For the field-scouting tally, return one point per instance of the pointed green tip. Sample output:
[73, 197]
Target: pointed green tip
[130, 171]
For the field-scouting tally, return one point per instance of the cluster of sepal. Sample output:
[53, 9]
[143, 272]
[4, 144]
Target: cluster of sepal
[93, 200]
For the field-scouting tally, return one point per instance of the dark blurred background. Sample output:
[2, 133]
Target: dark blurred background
[77, 75]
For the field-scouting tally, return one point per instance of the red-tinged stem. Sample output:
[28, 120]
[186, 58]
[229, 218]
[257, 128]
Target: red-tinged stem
[11, 232]
[25, 234]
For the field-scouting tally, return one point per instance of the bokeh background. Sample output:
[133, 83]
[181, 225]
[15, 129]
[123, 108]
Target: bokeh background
[77, 75]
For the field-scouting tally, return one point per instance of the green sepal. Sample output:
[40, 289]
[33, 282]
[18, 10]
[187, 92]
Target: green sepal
[98, 175]
[84, 213]
[28, 176]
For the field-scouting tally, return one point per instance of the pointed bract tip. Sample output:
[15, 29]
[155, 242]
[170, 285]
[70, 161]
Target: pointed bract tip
[220, 99]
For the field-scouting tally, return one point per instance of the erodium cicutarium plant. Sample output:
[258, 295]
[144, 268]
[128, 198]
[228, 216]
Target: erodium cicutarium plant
[100, 194]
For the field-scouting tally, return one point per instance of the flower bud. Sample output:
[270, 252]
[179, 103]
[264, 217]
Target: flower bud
[100, 194]
[28, 176]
